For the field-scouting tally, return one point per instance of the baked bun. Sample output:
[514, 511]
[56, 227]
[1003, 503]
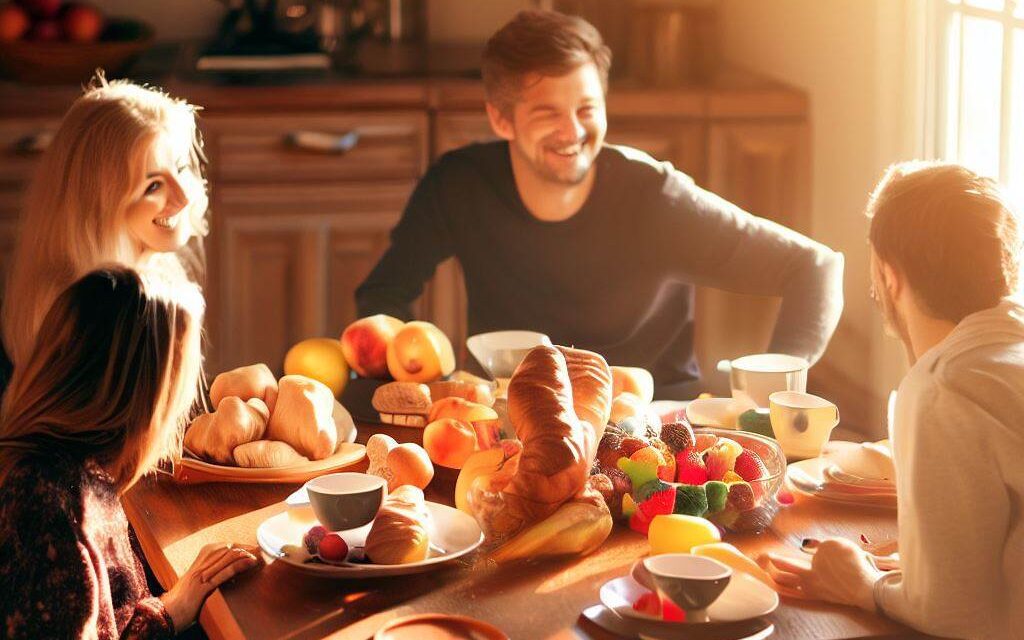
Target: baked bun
[252, 381]
[634, 380]
[479, 392]
[399, 533]
[409, 464]
[405, 404]
[267, 453]
[214, 436]
[304, 417]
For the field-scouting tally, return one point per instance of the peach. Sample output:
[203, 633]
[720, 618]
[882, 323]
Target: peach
[460, 409]
[449, 442]
[365, 344]
[633, 380]
[420, 352]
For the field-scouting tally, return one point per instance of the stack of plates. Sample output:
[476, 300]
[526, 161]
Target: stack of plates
[846, 472]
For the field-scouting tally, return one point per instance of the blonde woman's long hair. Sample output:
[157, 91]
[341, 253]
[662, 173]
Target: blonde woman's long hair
[112, 377]
[73, 219]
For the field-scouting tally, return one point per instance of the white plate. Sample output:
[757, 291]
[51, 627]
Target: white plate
[807, 477]
[453, 534]
[602, 616]
[744, 598]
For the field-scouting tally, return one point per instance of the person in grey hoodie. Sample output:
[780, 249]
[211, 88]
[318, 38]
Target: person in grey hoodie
[944, 266]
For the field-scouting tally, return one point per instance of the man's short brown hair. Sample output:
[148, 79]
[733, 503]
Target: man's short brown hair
[542, 42]
[950, 233]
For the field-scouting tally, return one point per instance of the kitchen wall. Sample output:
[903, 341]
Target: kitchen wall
[448, 20]
[858, 61]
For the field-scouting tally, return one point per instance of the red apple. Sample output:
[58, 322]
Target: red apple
[14, 22]
[46, 31]
[82, 23]
[42, 8]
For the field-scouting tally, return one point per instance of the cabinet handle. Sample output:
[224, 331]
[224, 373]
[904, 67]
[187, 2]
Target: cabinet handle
[34, 143]
[324, 142]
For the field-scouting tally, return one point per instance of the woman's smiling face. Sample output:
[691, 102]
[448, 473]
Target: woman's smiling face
[158, 213]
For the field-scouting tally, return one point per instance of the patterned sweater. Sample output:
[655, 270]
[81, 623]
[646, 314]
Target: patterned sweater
[68, 568]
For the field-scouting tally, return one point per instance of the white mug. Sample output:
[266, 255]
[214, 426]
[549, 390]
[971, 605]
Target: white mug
[755, 377]
[802, 422]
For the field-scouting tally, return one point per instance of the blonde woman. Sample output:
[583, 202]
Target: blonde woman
[97, 403]
[121, 182]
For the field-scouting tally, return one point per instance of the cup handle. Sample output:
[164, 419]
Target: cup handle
[724, 366]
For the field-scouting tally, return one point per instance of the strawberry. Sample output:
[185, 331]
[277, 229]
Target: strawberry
[750, 467]
[690, 468]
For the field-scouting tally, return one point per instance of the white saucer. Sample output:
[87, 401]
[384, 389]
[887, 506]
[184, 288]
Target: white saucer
[602, 616]
[808, 477]
[746, 597]
[453, 534]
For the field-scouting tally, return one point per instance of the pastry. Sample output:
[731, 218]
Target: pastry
[267, 453]
[405, 404]
[214, 436]
[627, 405]
[377, 449]
[399, 533]
[479, 392]
[303, 417]
[634, 380]
[252, 381]
[409, 464]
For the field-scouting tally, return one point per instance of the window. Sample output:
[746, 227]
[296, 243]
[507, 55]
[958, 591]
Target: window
[979, 87]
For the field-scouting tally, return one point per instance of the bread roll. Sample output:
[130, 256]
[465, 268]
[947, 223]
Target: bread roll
[634, 380]
[627, 405]
[214, 436]
[479, 392]
[251, 381]
[304, 418]
[399, 533]
[402, 403]
[267, 453]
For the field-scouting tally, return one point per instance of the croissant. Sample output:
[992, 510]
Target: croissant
[303, 417]
[267, 453]
[399, 532]
[215, 436]
[558, 446]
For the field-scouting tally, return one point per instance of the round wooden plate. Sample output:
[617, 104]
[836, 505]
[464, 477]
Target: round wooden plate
[438, 626]
[193, 471]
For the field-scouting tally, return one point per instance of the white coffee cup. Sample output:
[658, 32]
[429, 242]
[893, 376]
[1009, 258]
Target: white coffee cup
[755, 377]
[802, 422]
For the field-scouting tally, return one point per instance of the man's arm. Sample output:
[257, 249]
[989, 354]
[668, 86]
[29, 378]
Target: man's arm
[419, 242]
[719, 245]
[953, 515]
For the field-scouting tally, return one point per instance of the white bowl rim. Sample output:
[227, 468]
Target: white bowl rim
[327, 484]
[799, 400]
[785, 363]
[691, 567]
[527, 339]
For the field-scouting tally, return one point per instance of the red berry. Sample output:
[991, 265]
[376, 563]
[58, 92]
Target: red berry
[313, 537]
[333, 548]
[690, 468]
[648, 604]
[670, 611]
[750, 467]
[659, 503]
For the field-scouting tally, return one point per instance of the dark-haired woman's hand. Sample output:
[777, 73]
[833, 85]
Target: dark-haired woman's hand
[215, 565]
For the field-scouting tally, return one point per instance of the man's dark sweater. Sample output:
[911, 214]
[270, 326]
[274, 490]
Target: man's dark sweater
[618, 276]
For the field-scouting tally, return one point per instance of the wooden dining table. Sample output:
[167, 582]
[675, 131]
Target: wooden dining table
[538, 599]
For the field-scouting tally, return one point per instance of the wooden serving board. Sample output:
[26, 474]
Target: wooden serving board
[193, 471]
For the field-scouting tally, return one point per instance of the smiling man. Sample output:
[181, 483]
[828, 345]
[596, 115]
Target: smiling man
[596, 245]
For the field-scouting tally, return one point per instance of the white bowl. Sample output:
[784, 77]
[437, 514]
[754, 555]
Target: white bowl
[500, 352]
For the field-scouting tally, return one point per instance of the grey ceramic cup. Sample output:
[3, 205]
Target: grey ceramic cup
[344, 501]
[692, 582]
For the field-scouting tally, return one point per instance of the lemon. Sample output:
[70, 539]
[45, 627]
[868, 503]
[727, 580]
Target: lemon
[677, 533]
[321, 359]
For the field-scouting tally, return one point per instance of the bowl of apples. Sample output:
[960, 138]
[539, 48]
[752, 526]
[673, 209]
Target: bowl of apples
[53, 42]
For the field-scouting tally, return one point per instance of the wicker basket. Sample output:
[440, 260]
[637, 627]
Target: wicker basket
[70, 62]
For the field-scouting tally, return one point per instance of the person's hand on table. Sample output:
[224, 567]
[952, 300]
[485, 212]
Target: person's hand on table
[215, 565]
[839, 571]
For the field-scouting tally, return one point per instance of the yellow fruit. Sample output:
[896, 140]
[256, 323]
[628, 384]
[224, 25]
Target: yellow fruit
[678, 533]
[730, 555]
[321, 359]
[495, 468]
[420, 352]
[576, 528]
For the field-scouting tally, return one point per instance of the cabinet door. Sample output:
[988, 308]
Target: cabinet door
[764, 168]
[287, 262]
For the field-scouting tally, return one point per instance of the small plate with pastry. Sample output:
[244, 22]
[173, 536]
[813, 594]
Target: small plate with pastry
[408, 535]
[265, 430]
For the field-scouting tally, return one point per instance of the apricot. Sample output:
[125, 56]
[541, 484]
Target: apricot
[365, 344]
[420, 352]
[321, 359]
[449, 442]
[460, 409]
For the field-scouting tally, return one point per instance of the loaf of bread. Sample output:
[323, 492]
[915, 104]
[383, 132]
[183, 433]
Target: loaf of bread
[400, 532]
[402, 403]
